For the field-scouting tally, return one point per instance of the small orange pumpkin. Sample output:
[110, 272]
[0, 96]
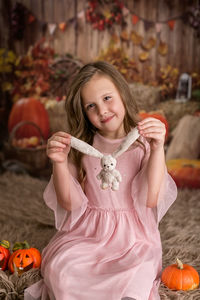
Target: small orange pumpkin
[4, 254]
[24, 258]
[180, 276]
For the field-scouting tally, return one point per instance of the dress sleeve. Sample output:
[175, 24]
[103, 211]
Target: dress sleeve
[167, 194]
[64, 219]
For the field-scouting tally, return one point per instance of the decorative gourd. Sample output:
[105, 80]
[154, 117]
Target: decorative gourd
[29, 109]
[185, 172]
[4, 254]
[24, 258]
[180, 276]
[158, 115]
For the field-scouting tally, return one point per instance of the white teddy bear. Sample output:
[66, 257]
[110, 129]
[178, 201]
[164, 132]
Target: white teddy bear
[109, 176]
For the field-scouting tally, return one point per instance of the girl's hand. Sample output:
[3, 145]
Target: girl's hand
[154, 130]
[58, 146]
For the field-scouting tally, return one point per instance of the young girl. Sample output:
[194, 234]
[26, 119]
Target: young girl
[108, 244]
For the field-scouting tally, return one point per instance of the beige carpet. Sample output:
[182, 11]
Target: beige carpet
[23, 216]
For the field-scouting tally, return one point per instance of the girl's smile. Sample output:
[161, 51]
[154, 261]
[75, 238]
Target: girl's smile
[103, 106]
[106, 120]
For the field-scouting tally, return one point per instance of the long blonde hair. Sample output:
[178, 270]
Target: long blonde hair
[77, 121]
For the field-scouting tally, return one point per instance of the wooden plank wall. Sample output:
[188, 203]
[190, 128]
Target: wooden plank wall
[82, 41]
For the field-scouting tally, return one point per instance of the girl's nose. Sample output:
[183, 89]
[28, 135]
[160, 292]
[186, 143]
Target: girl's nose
[102, 109]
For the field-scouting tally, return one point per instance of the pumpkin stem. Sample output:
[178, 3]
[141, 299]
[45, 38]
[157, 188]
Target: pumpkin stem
[179, 263]
[23, 245]
[5, 244]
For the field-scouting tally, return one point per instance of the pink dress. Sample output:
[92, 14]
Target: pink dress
[108, 247]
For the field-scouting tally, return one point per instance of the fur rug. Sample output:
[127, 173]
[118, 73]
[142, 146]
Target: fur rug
[24, 216]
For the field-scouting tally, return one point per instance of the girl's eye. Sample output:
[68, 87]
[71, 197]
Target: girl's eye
[90, 106]
[107, 98]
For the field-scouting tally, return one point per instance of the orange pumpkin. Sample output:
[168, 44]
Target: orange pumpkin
[29, 109]
[24, 258]
[4, 254]
[185, 172]
[158, 115]
[180, 276]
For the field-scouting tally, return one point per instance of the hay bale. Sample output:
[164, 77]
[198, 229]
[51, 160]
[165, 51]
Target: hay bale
[174, 111]
[145, 96]
[186, 139]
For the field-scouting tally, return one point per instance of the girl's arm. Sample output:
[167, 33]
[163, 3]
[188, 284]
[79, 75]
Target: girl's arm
[61, 180]
[154, 130]
[155, 175]
[58, 148]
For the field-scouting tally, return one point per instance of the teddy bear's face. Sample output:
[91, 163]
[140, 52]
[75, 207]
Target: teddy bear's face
[108, 163]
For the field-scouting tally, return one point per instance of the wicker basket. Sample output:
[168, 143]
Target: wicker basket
[64, 68]
[32, 158]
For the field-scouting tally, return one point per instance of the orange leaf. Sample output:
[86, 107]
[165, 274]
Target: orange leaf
[31, 19]
[171, 24]
[124, 36]
[136, 38]
[150, 44]
[135, 19]
[162, 48]
[143, 56]
[62, 26]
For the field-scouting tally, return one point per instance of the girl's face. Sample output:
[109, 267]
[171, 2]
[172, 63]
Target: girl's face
[103, 106]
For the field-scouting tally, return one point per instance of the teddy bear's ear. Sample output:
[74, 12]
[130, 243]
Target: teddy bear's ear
[85, 147]
[131, 137]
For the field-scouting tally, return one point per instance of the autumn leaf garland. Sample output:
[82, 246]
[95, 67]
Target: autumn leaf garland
[103, 15]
